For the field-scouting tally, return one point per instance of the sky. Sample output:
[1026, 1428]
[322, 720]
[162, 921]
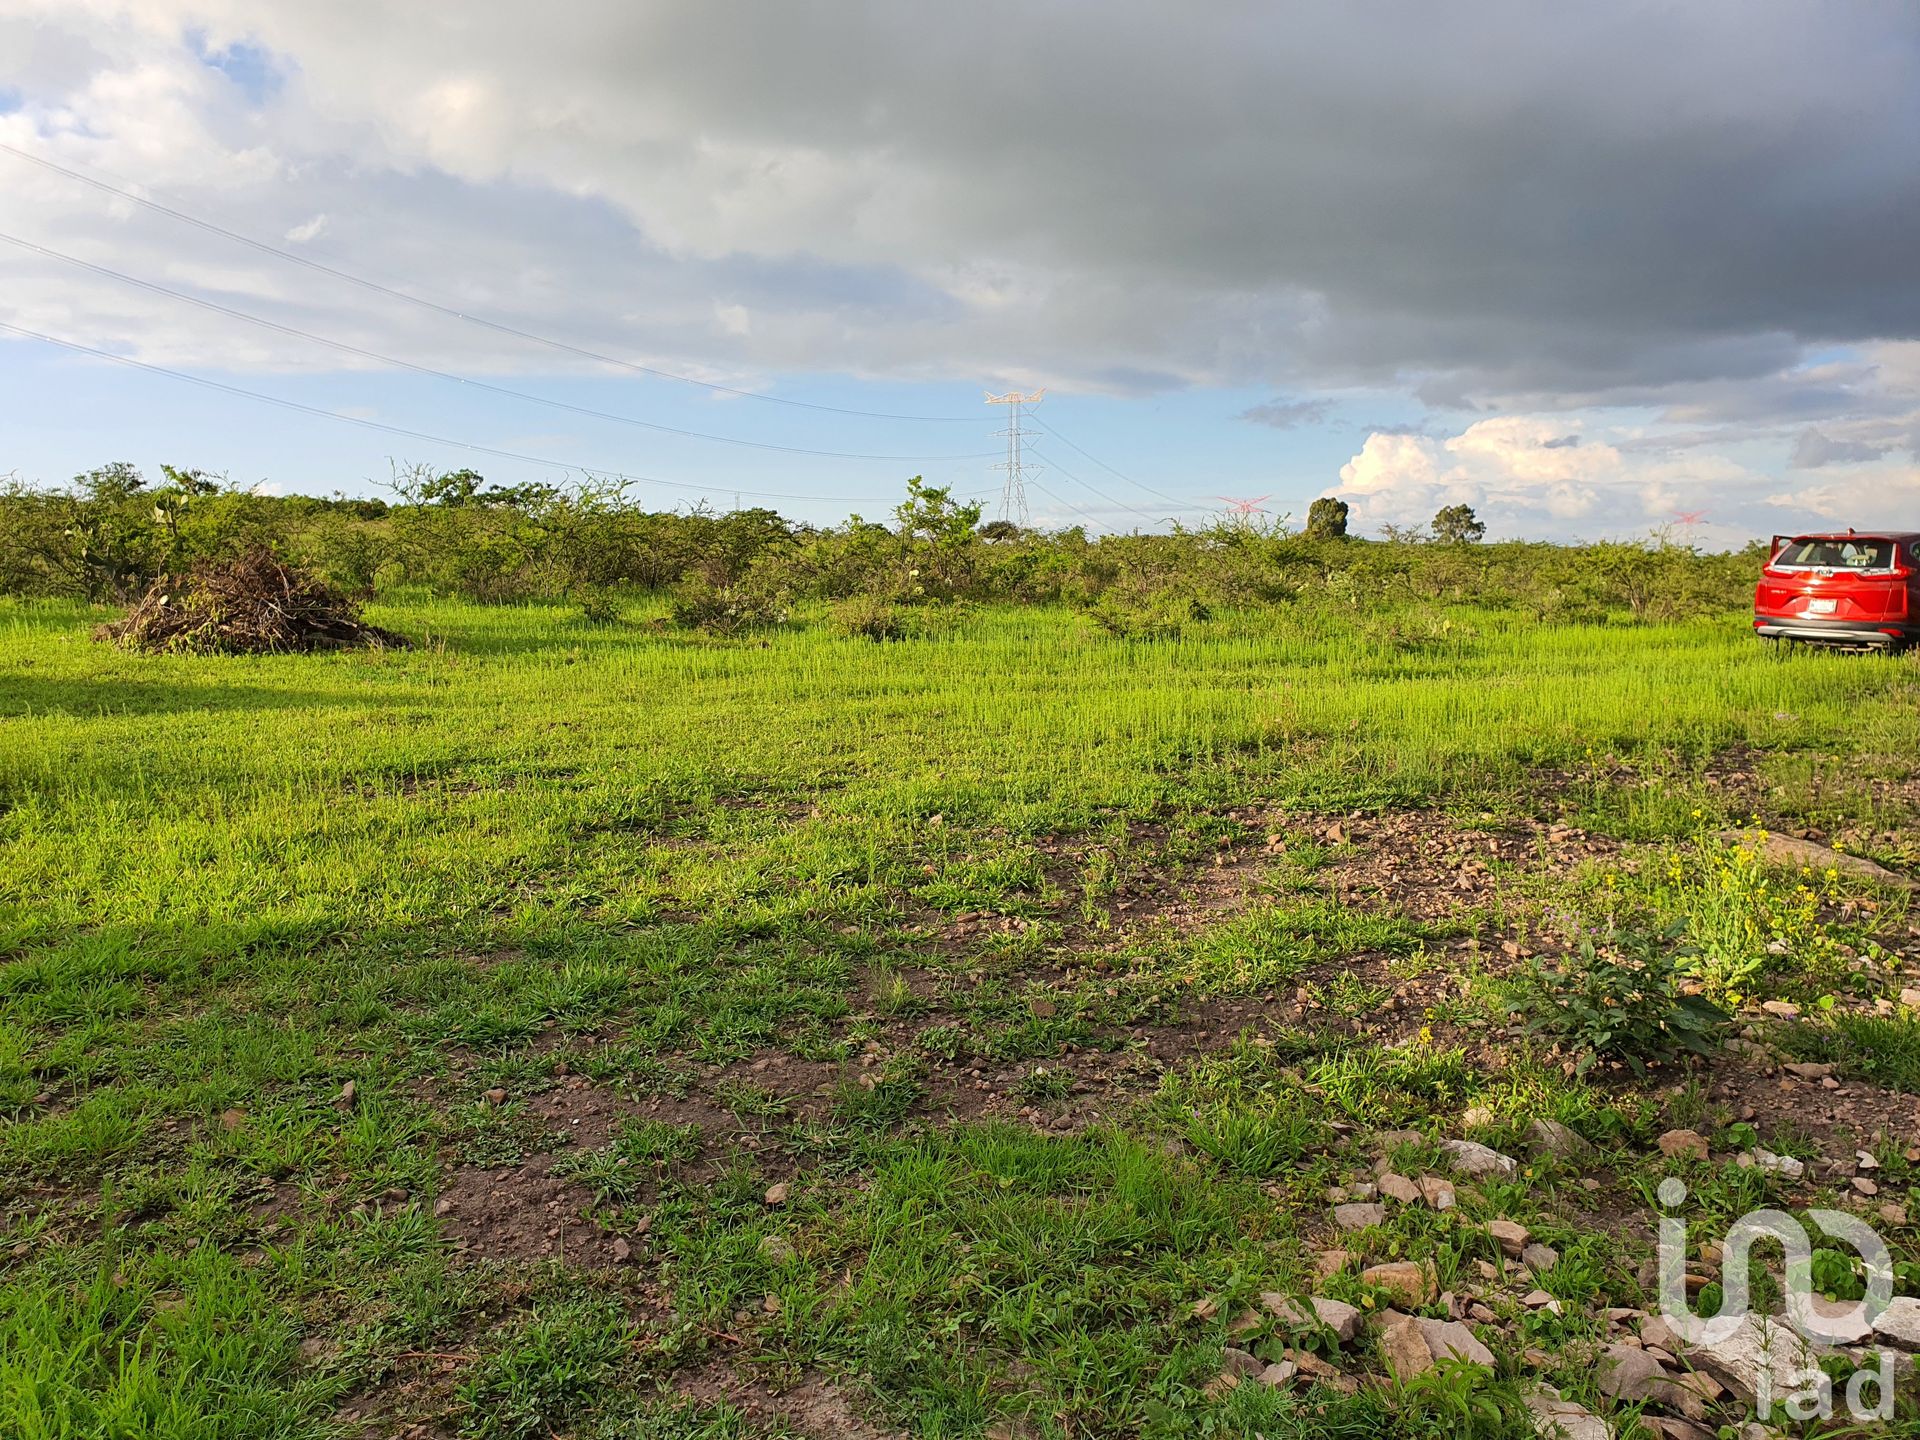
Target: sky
[1593, 270]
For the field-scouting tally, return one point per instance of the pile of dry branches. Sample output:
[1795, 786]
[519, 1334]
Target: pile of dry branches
[250, 606]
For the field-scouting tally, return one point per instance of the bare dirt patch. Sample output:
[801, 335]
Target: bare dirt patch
[814, 1406]
[521, 1213]
[1428, 866]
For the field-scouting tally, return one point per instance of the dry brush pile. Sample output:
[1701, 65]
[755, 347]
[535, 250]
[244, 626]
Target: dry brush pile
[252, 605]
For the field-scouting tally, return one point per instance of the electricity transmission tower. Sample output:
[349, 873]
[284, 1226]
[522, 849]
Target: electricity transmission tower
[1013, 492]
[1243, 511]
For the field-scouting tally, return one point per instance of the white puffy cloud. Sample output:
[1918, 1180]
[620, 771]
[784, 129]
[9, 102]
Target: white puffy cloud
[1523, 477]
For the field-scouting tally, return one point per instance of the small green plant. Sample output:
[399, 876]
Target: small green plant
[1614, 1007]
[546, 1372]
[641, 1149]
[1041, 1085]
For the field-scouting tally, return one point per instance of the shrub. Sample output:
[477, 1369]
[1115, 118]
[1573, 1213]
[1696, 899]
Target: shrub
[1609, 1006]
[872, 617]
[1130, 614]
[725, 609]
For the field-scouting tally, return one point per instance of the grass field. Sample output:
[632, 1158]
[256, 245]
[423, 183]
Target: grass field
[559, 1029]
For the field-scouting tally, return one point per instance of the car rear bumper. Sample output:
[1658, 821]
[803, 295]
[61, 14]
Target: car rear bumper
[1835, 632]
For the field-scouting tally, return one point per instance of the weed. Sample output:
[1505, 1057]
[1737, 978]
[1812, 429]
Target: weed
[1606, 1005]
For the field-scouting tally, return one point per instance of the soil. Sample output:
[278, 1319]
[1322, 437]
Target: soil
[521, 1213]
[814, 1406]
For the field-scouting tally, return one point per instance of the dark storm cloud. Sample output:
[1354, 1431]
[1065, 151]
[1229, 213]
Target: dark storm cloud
[1491, 205]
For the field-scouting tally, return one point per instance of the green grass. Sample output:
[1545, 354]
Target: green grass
[231, 888]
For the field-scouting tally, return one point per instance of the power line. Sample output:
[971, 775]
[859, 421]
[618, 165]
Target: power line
[1118, 474]
[395, 361]
[450, 311]
[1100, 494]
[431, 439]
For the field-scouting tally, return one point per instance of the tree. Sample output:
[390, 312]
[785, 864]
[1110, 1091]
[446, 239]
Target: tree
[1458, 525]
[1327, 519]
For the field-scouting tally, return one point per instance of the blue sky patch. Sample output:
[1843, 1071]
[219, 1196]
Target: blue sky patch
[252, 68]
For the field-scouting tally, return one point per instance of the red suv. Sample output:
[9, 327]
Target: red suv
[1855, 589]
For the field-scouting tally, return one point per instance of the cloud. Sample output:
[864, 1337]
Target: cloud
[1816, 448]
[1288, 414]
[1523, 479]
[1313, 196]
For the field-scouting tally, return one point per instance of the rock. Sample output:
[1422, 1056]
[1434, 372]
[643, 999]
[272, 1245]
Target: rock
[1338, 1316]
[443, 1206]
[1539, 1300]
[1449, 1339]
[1550, 1137]
[1240, 1364]
[776, 1249]
[1538, 1257]
[1205, 1309]
[1665, 1427]
[1511, 1236]
[1399, 1187]
[1892, 1213]
[1404, 1348]
[497, 1096]
[1629, 1374]
[1478, 1161]
[777, 1194]
[1759, 1344]
[1218, 1388]
[1899, 1323]
[1328, 1263]
[1836, 1322]
[1807, 1070]
[1692, 1394]
[233, 1119]
[1780, 1009]
[1278, 1373]
[1285, 1309]
[1245, 1323]
[1359, 1215]
[1407, 1282]
[1438, 1193]
[623, 1252]
[1785, 1166]
[346, 1096]
[1865, 1186]
[1793, 853]
[1656, 1332]
[1478, 1117]
[1683, 1145]
[1558, 1419]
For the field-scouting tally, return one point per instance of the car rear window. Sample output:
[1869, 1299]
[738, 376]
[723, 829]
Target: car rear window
[1851, 554]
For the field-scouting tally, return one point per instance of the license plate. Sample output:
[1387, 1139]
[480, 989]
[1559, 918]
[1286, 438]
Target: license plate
[1821, 607]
